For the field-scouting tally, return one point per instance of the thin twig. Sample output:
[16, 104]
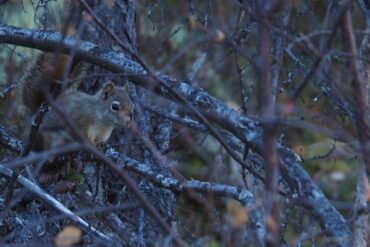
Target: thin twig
[243, 127]
[173, 91]
[358, 92]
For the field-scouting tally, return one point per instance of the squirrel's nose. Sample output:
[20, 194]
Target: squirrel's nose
[127, 120]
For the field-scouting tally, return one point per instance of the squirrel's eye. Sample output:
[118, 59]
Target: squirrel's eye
[115, 106]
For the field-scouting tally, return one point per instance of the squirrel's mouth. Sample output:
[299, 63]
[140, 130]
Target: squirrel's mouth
[127, 121]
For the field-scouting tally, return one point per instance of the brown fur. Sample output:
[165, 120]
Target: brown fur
[92, 114]
[43, 76]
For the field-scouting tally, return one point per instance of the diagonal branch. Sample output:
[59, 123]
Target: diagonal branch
[244, 196]
[243, 127]
[336, 11]
[54, 203]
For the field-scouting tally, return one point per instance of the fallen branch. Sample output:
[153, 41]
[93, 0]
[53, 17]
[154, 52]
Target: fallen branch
[54, 203]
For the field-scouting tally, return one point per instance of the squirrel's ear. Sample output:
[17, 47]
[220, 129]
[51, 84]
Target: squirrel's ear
[108, 89]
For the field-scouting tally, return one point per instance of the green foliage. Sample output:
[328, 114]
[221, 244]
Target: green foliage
[74, 176]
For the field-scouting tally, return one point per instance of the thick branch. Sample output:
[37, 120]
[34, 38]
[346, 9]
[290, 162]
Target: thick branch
[244, 196]
[246, 129]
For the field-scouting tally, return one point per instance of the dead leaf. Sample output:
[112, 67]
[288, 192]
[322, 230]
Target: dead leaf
[65, 186]
[271, 224]
[233, 105]
[238, 214]
[192, 22]
[367, 191]
[286, 108]
[68, 236]
[219, 36]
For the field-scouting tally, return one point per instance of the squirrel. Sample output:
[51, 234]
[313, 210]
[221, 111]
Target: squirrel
[94, 115]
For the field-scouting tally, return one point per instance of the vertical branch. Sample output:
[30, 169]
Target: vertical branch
[239, 70]
[361, 106]
[360, 231]
[263, 66]
[278, 54]
[365, 47]
[358, 91]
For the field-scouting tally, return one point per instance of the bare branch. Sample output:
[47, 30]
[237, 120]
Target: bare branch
[336, 11]
[359, 92]
[244, 196]
[54, 203]
[246, 129]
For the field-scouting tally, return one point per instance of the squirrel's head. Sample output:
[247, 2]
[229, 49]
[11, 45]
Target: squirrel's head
[118, 102]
